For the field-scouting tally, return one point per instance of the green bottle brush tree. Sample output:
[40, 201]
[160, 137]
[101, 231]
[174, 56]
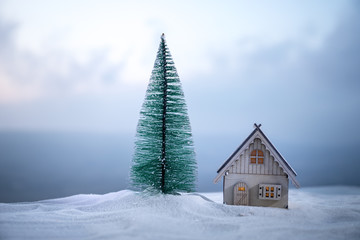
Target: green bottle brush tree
[164, 159]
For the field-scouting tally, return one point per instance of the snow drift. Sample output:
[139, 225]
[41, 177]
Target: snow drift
[314, 213]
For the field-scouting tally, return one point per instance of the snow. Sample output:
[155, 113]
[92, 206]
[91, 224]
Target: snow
[314, 213]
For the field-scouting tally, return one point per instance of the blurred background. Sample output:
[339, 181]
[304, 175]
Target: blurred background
[73, 76]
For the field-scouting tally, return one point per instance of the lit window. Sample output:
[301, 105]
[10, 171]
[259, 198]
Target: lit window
[257, 156]
[269, 192]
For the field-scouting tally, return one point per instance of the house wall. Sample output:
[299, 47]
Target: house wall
[253, 182]
[242, 164]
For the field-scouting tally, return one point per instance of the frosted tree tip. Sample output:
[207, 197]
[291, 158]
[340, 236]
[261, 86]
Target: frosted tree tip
[163, 36]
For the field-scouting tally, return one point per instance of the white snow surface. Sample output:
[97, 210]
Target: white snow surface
[314, 213]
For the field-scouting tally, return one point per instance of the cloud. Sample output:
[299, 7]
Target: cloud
[231, 75]
[10, 88]
[337, 64]
[293, 88]
[26, 76]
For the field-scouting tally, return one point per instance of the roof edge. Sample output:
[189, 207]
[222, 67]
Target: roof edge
[233, 154]
[287, 164]
[292, 172]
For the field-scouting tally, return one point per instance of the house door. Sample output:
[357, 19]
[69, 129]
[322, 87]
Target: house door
[241, 194]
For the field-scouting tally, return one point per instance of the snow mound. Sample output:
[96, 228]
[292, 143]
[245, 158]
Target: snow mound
[315, 213]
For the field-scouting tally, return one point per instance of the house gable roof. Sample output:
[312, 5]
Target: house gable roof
[257, 133]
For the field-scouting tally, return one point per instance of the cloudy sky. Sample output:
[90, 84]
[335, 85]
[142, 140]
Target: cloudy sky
[83, 66]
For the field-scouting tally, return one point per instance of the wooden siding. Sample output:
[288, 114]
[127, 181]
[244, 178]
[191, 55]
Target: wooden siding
[243, 165]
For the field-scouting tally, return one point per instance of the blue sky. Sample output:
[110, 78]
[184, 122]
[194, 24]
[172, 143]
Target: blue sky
[83, 66]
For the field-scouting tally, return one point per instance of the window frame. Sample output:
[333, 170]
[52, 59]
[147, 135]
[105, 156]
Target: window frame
[270, 191]
[257, 158]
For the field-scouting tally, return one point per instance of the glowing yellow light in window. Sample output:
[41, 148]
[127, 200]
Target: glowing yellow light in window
[241, 189]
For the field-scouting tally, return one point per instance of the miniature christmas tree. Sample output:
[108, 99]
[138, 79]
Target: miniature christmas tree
[164, 158]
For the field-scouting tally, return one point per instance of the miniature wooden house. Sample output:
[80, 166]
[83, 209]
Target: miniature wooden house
[256, 174]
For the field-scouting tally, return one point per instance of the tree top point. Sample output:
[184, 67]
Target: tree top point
[163, 36]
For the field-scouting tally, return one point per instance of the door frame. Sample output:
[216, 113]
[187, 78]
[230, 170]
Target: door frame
[241, 194]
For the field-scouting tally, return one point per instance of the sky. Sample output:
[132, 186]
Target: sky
[83, 66]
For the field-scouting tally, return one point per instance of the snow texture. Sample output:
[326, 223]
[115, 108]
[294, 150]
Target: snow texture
[314, 213]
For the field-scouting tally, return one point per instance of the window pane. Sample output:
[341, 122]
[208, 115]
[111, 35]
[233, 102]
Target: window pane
[260, 153]
[253, 160]
[261, 161]
[253, 153]
[269, 192]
